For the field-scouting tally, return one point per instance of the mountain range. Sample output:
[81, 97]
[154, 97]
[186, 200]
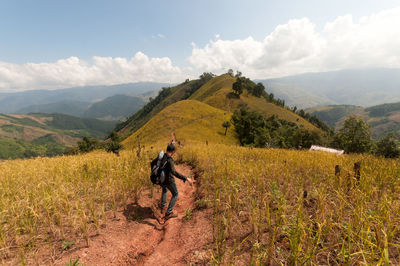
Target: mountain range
[11, 102]
[27, 135]
[383, 119]
[360, 87]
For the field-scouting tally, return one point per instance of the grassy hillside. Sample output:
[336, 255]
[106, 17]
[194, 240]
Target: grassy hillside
[216, 93]
[285, 207]
[269, 206]
[383, 118]
[29, 135]
[190, 120]
[166, 97]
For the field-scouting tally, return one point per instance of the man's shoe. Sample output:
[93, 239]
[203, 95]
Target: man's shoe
[162, 210]
[170, 215]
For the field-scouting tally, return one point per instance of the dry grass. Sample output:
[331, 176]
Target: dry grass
[275, 206]
[215, 94]
[190, 120]
[47, 201]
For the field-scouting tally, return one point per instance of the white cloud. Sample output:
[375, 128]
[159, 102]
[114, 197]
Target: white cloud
[76, 72]
[162, 36]
[296, 47]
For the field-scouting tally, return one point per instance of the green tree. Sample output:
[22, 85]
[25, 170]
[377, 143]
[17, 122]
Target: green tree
[354, 136]
[238, 86]
[388, 147]
[88, 144]
[226, 124]
[113, 145]
[258, 90]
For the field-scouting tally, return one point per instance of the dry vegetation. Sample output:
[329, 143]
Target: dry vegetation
[270, 206]
[50, 202]
[276, 206]
[189, 120]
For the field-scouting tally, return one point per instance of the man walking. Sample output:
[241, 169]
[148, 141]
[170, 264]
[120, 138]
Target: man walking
[170, 185]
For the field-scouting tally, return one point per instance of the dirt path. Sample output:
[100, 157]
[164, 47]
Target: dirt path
[135, 237]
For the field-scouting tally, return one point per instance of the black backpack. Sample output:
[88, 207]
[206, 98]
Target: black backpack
[158, 165]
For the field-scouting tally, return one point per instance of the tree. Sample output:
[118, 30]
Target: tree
[388, 147]
[114, 144]
[230, 72]
[258, 90]
[226, 124]
[238, 86]
[238, 74]
[354, 136]
[87, 145]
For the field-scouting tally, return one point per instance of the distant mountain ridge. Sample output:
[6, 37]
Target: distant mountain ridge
[116, 107]
[361, 87]
[13, 102]
[383, 119]
[30, 135]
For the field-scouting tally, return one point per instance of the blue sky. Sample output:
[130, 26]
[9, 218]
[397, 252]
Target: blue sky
[44, 32]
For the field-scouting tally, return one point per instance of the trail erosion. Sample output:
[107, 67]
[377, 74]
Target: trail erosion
[135, 237]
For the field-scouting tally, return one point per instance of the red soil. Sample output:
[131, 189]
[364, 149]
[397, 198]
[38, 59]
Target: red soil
[136, 237]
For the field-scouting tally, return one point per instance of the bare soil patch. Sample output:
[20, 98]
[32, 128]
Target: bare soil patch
[136, 236]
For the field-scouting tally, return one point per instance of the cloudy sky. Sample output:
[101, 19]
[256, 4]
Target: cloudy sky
[47, 44]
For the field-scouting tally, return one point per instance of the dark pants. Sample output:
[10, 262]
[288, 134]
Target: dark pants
[174, 191]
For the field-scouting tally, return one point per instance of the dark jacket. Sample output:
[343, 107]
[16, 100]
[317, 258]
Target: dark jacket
[171, 172]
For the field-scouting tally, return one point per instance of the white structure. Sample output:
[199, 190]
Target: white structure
[319, 148]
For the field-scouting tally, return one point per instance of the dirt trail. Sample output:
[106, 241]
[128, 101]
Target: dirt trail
[135, 237]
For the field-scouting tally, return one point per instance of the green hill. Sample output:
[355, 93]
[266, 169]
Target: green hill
[27, 135]
[69, 107]
[213, 91]
[216, 93]
[116, 107]
[382, 118]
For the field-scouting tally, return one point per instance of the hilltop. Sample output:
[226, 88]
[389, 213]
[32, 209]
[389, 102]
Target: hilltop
[189, 119]
[210, 91]
[382, 118]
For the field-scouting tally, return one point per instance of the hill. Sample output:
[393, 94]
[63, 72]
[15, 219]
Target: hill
[116, 107]
[361, 87]
[26, 135]
[213, 91]
[190, 120]
[382, 118]
[68, 107]
[11, 102]
[217, 92]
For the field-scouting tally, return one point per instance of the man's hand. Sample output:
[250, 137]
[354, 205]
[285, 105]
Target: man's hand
[190, 181]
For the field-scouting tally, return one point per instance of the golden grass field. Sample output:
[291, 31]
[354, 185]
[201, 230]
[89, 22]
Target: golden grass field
[261, 213]
[275, 206]
[47, 202]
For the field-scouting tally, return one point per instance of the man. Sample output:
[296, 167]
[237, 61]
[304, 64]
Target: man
[170, 185]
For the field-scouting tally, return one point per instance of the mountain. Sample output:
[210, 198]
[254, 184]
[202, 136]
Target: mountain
[361, 87]
[29, 135]
[68, 107]
[13, 102]
[382, 118]
[169, 112]
[116, 107]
